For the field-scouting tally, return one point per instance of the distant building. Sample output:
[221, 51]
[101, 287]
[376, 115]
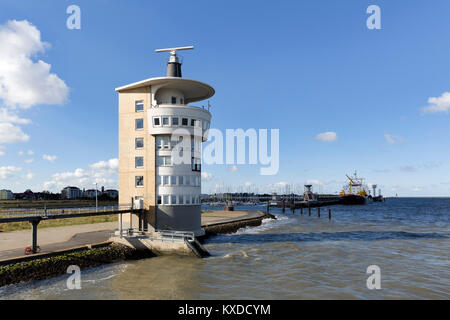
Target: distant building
[91, 193]
[71, 193]
[6, 195]
[112, 194]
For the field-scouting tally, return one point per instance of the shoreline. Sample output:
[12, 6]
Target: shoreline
[48, 265]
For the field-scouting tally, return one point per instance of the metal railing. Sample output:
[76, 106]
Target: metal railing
[51, 212]
[160, 235]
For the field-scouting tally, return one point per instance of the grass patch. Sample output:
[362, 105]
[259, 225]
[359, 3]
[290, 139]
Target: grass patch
[24, 225]
[54, 203]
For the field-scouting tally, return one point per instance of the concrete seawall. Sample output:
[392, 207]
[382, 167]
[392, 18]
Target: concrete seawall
[233, 226]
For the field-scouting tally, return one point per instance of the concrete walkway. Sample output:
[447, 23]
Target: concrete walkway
[216, 217]
[15, 242]
[12, 244]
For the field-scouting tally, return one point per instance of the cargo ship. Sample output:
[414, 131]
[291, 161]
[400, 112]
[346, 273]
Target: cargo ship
[355, 192]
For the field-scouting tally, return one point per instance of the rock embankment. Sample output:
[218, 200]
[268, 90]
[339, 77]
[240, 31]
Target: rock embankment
[55, 266]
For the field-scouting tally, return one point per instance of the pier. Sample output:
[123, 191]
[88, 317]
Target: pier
[35, 216]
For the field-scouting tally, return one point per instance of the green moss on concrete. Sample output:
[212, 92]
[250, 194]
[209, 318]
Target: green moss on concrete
[54, 266]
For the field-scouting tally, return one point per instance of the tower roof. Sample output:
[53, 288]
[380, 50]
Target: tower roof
[193, 90]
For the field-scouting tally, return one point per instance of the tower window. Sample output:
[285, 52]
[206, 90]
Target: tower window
[196, 164]
[139, 124]
[139, 105]
[173, 200]
[139, 162]
[166, 180]
[156, 122]
[173, 180]
[166, 199]
[174, 121]
[184, 121]
[139, 143]
[139, 181]
[174, 100]
[158, 180]
[165, 121]
[159, 200]
[164, 161]
[192, 122]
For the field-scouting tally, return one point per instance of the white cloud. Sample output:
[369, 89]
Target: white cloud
[2, 153]
[10, 133]
[327, 136]
[391, 139]
[314, 181]
[20, 153]
[30, 175]
[49, 158]
[408, 169]
[438, 104]
[102, 172]
[248, 184]
[206, 176]
[23, 82]
[8, 117]
[8, 172]
[29, 160]
[233, 169]
[111, 164]
[30, 152]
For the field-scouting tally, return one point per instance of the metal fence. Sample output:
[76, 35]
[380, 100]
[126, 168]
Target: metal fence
[51, 212]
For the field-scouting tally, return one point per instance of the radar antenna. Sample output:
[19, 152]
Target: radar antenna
[174, 65]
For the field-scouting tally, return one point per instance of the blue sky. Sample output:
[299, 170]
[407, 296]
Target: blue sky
[304, 67]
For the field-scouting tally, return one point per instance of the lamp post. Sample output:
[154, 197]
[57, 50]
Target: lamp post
[96, 199]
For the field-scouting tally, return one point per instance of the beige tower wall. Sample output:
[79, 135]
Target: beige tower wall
[128, 152]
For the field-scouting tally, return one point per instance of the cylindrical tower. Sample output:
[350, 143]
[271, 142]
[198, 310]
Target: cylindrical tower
[374, 187]
[175, 130]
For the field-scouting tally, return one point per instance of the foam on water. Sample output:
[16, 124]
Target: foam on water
[293, 257]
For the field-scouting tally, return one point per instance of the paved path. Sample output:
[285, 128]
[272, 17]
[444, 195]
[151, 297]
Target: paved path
[215, 217]
[12, 244]
[46, 236]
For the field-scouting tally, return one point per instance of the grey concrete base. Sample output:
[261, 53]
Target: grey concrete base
[179, 218]
[156, 246]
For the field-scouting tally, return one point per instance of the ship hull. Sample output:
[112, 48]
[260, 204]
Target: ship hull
[378, 199]
[353, 199]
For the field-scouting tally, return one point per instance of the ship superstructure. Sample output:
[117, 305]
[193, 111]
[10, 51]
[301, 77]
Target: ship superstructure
[355, 192]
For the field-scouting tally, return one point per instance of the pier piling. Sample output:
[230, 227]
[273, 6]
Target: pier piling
[301, 210]
[34, 224]
[309, 211]
[329, 214]
[318, 212]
